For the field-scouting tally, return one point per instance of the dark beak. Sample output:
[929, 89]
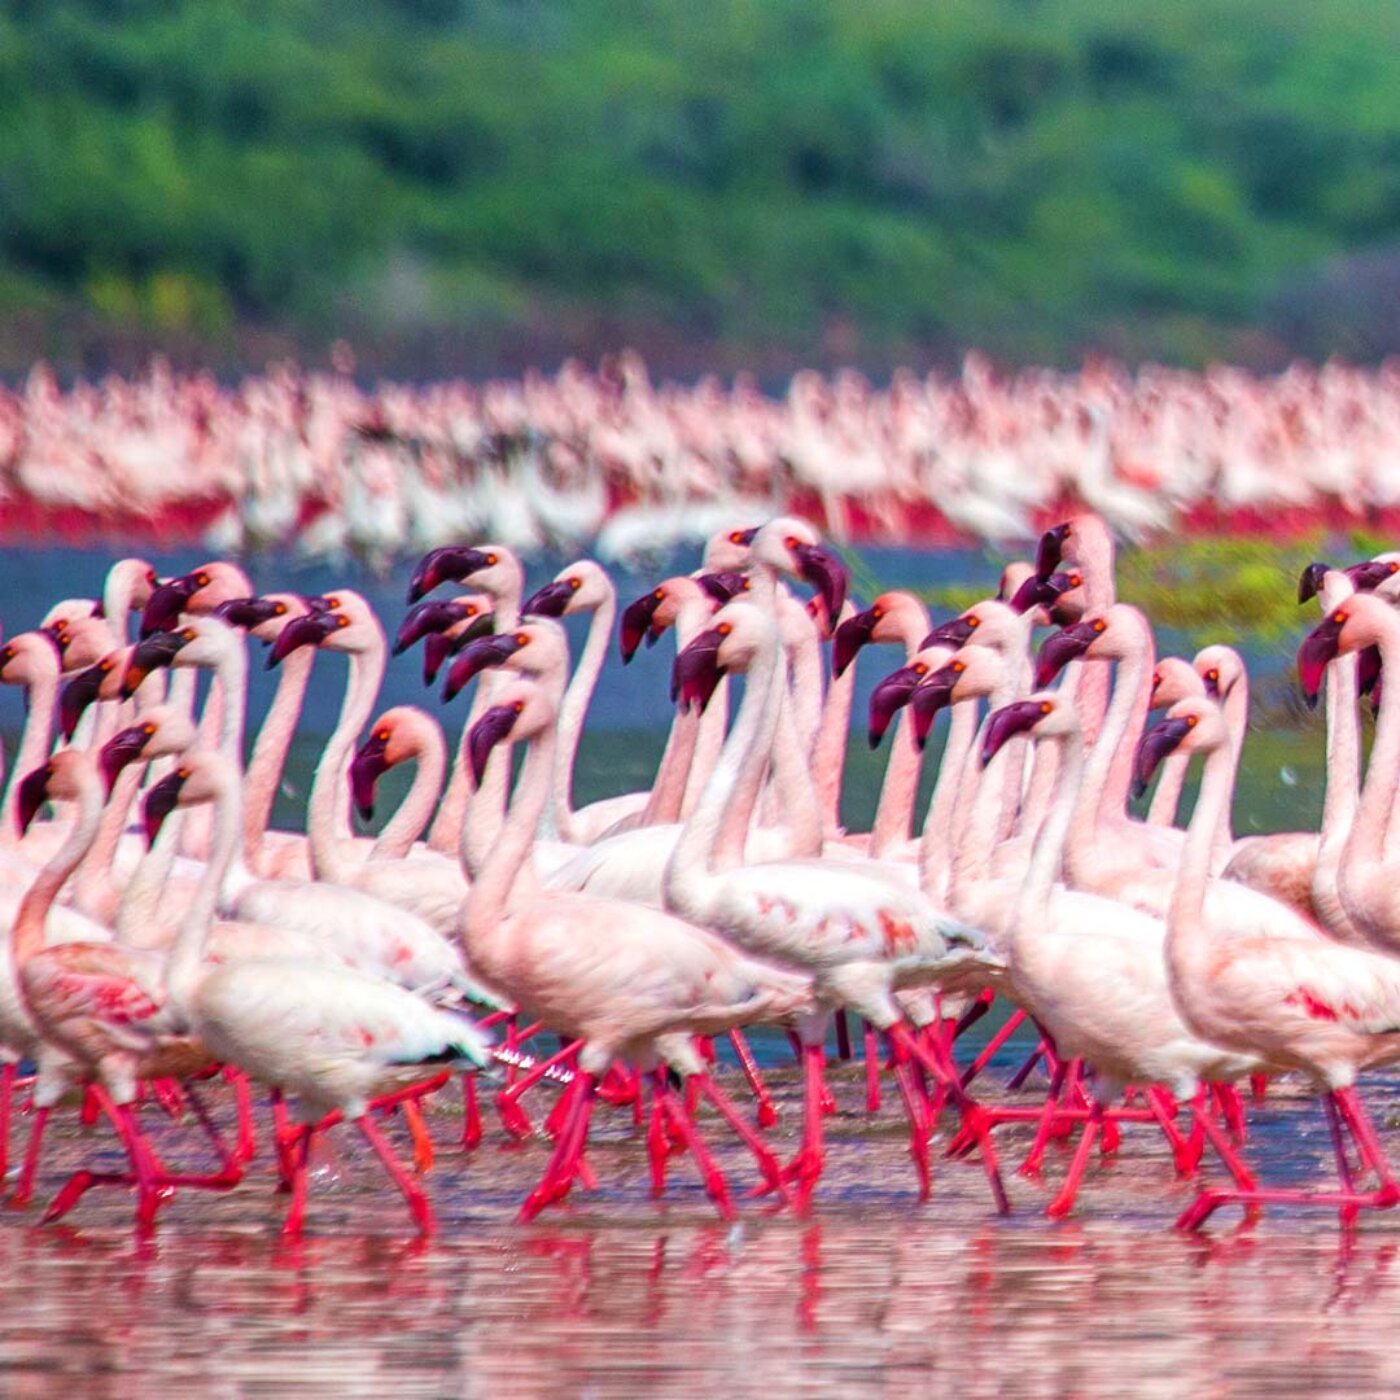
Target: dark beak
[953, 633]
[166, 603]
[365, 770]
[932, 696]
[121, 749]
[246, 613]
[1042, 592]
[1003, 725]
[491, 729]
[889, 697]
[1319, 647]
[1310, 581]
[851, 635]
[160, 801]
[453, 561]
[308, 631]
[636, 623]
[724, 586]
[77, 694]
[1368, 674]
[479, 656]
[150, 654]
[1060, 648]
[33, 793]
[1370, 574]
[826, 573]
[1050, 550]
[424, 620]
[696, 672]
[1157, 743]
[550, 601]
[438, 646]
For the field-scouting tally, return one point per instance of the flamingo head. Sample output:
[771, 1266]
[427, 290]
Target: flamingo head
[793, 547]
[1174, 679]
[201, 590]
[1043, 716]
[150, 654]
[202, 775]
[968, 674]
[538, 647]
[524, 712]
[1311, 579]
[1353, 625]
[729, 550]
[82, 642]
[101, 681]
[1051, 549]
[390, 743]
[492, 568]
[1110, 636]
[1380, 575]
[161, 731]
[885, 620]
[1220, 668]
[898, 689]
[64, 778]
[1055, 599]
[738, 632]
[723, 584]
[138, 579]
[27, 658]
[582, 587]
[1194, 725]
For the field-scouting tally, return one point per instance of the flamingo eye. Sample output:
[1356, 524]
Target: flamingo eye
[342, 621]
[518, 706]
[382, 735]
[1075, 580]
[522, 639]
[1046, 707]
[1156, 679]
[877, 612]
[736, 537]
[202, 579]
[182, 773]
[148, 729]
[333, 602]
[279, 610]
[1213, 674]
[920, 669]
[959, 667]
[1099, 624]
[659, 594]
[724, 629]
[1339, 616]
[1190, 721]
[151, 576]
[490, 559]
[575, 584]
[105, 665]
[973, 620]
[8, 653]
[792, 542]
[189, 634]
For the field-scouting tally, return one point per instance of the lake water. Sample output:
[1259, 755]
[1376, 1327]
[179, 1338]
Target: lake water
[617, 1294]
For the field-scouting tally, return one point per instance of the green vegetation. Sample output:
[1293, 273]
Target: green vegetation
[733, 179]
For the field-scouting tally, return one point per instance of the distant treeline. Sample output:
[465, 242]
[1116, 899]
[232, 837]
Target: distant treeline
[814, 180]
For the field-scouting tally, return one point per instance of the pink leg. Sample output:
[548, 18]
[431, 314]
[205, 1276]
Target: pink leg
[513, 1118]
[24, 1188]
[806, 1167]
[715, 1185]
[767, 1114]
[913, 1100]
[1259, 1087]
[872, 1069]
[7, 1095]
[658, 1146]
[1064, 1200]
[989, 1050]
[1035, 1158]
[1353, 1114]
[1347, 1213]
[90, 1111]
[767, 1162]
[246, 1148]
[563, 1164]
[298, 1156]
[1186, 1153]
[471, 1114]
[418, 1205]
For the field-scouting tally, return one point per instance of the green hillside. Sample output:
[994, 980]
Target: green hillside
[825, 180]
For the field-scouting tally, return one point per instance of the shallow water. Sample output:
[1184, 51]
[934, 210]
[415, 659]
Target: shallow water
[618, 1294]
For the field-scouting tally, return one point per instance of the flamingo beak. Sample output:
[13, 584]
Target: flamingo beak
[1310, 581]
[425, 619]
[637, 622]
[1051, 550]
[78, 693]
[889, 697]
[161, 800]
[150, 654]
[365, 769]
[697, 671]
[550, 601]
[491, 729]
[438, 646]
[452, 561]
[1043, 592]
[1157, 743]
[851, 636]
[1003, 725]
[119, 751]
[724, 585]
[953, 633]
[1371, 573]
[1060, 648]
[826, 573]
[1318, 648]
[33, 793]
[166, 603]
[309, 630]
[246, 613]
[480, 655]
[933, 695]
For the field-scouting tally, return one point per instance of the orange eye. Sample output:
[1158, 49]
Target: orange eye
[518, 706]
[189, 634]
[1075, 580]
[522, 639]
[1339, 616]
[736, 537]
[151, 576]
[792, 542]
[8, 653]
[973, 620]
[469, 610]
[279, 610]
[333, 603]
[959, 667]
[1099, 624]
[920, 669]
[575, 583]
[202, 579]
[724, 629]
[877, 613]
[104, 665]
[1212, 675]
[382, 735]
[342, 622]
[182, 773]
[490, 559]
[1045, 707]
[659, 594]
[148, 729]
[1190, 721]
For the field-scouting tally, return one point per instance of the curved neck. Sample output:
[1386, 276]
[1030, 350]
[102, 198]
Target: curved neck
[951, 787]
[1236, 712]
[1047, 855]
[27, 933]
[982, 793]
[573, 710]
[1188, 937]
[33, 746]
[330, 785]
[93, 882]
[829, 750]
[709, 741]
[1343, 772]
[407, 823]
[792, 781]
[270, 749]
[1166, 796]
[182, 968]
[692, 874]
[1383, 772]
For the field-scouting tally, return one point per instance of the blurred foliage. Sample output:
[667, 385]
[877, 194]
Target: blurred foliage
[1035, 176]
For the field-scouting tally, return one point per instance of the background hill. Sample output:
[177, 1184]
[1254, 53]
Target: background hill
[477, 184]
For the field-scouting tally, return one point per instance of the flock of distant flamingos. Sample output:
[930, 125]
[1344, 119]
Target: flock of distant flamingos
[611, 463]
[162, 934]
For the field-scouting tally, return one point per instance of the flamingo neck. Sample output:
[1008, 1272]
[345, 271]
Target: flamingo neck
[693, 874]
[407, 823]
[93, 884]
[1378, 793]
[33, 745]
[709, 741]
[270, 750]
[1166, 796]
[1236, 713]
[330, 788]
[183, 964]
[829, 750]
[792, 784]
[937, 844]
[1188, 937]
[573, 710]
[27, 933]
[1048, 852]
[1342, 776]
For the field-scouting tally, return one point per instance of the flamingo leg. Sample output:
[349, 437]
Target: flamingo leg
[422, 1141]
[658, 1147]
[568, 1149]
[24, 1188]
[1186, 1152]
[298, 1159]
[1353, 1113]
[1346, 1214]
[914, 1108]
[1063, 1202]
[872, 1069]
[7, 1095]
[1031, 1167]
[412, 1193]
[767, 1114]
[716, 1188]
[231, 1169]
[246, 1147]
[471, 1114]
[806, 1167]
[514, 1118]
[767, 1163]
[989, 1050]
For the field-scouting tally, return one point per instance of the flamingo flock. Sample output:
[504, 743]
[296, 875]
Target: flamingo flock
[628, 469]
[167, 944]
